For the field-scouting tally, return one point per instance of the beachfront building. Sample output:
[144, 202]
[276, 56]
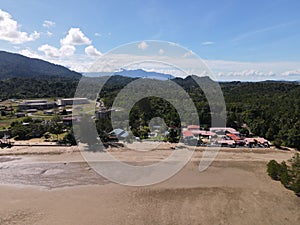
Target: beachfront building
[224, 130]
[194, 135]
[226, 136]
[257, 142]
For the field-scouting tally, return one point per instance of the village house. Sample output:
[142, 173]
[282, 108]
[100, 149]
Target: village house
[117, 134]
[220, 136]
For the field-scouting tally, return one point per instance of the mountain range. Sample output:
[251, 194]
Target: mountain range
[139, 73]
[14, 65]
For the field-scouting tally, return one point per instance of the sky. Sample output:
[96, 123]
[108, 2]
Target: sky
[237, 39]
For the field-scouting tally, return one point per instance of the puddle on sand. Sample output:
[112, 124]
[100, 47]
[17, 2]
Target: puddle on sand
[50, 175]
[8, 159]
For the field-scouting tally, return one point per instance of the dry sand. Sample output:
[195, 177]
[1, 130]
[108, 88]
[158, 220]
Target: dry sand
[53, 185]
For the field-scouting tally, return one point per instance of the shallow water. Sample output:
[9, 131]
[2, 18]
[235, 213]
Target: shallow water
[47, 174]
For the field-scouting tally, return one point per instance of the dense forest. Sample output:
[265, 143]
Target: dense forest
[22, 88]
[24, 77]
[269, 109]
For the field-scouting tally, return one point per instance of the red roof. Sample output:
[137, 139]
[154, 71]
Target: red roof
[203, 132]
[187, 133]
[207, 133]
[261, 140]
[191, 127]
[228, 129]
[229, 142]
[196, 131]
[258, 139]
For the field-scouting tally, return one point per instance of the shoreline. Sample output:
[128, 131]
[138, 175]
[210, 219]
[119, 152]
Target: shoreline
[24, 149]
[61, 188]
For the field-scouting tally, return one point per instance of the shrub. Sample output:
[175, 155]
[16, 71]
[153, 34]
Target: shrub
[69, 138]
[284, 175]
[296, 186]
[277, 143]
[273, 169]
[289, 176]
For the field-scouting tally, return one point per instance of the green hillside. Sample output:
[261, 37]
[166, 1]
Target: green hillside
[16, 65]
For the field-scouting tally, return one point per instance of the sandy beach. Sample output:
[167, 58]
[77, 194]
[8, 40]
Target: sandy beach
[54, 185]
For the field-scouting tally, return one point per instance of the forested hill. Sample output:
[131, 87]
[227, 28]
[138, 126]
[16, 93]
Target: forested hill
[270, 109]
[15, 65]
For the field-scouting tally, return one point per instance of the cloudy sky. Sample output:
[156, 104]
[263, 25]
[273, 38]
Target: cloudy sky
[238, 40]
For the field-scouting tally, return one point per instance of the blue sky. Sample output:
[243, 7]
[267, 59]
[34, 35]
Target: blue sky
[239, 40]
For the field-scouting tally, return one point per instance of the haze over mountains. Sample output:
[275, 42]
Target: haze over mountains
[139, 73]
[14, 65]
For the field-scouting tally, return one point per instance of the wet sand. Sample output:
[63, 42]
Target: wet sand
[55, 186]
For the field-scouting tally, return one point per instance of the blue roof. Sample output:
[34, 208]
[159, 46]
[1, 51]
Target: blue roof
[120, 133]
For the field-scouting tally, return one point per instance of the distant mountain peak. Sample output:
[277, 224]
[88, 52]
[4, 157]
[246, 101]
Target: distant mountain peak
[138, 73]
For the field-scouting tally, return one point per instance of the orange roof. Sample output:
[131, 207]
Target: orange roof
[233, 136]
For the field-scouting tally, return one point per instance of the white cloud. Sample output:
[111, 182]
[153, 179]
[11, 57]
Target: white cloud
[207, 43]
[228, 66]
[67, 50]
[29, 53]
[49, 34]
[10, 30]
[75, 37]
[49, 50]
[76, 62]
[92, 51]
[48, 23]
[291, 73]
[161, 51]
[247, 73]
[186, 61]
[97, 34]
[188, 54]
[53, 52]
[143, 45]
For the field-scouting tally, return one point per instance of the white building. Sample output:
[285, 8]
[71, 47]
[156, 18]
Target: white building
[72, 101]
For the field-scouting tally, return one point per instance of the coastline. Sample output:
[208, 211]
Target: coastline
[39, 187]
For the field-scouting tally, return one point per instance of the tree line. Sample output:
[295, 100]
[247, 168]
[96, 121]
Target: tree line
[269, 109]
